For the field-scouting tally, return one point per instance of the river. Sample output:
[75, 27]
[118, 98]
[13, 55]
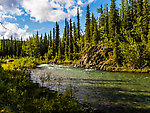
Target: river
[97, 89]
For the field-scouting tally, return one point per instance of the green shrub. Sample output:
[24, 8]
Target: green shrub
[18, 94]
[22, 63]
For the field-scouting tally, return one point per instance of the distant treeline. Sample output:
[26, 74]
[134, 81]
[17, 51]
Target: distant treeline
[126, 30]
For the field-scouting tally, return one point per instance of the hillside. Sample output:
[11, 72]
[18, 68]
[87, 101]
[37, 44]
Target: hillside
[101, 58]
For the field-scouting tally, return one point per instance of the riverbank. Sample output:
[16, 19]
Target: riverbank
[81, 64]
[103, 58]
[31, 62]
[114, 69]
[20, 94]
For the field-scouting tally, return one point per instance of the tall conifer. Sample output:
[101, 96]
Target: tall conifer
[87, 29]
[57, 37]
[78, 24]
[70, 41]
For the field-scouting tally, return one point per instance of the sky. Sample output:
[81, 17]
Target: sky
[23, 18]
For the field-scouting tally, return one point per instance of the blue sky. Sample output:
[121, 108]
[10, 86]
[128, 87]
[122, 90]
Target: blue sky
[26, 17]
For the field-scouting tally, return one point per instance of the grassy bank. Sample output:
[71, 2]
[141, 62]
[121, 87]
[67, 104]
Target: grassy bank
[22, 63]
[19, 94]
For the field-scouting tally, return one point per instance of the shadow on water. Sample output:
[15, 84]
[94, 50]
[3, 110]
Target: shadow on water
[100, 80]
[93, 81]
[122, 102]
[114, 99]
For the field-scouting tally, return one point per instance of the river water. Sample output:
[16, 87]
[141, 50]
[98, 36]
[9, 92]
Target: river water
[97, 88]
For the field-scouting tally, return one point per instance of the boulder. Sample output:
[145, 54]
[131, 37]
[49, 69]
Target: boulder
[95, 58]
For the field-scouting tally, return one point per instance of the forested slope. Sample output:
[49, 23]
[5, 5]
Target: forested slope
[124, 30]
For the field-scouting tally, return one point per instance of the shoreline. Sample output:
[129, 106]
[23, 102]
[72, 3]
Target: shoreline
[127, 70]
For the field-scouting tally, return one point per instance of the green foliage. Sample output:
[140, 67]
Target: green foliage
[57, 38]
[70, 52]
[19, 94]
[124, 30]
[21, 64]
[87, 29]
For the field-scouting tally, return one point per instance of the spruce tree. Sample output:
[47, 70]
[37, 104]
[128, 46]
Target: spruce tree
[132, 12]
[139, 25]
[67, 38]
[4, 47]
[1, 52]
[53, 44]
[87, 29]
[78, 24]
[101, 19]
[95, 34]
[57, 38]
[22, 53]
[116, 53]
[139, 7]
[50, 40]
[106, 22]
[75, 48]
[59, 51]
[17, 52]
[37, 37]
[113, 20]
[78, 31]
[70, 42]
[11, 46]
[45, 42]
[128, 17]
[92, 26]
[50, 46]
[63, 47]
[145, 20]
[41, 46]
[15, 47]
[41, 38]
[123, 14]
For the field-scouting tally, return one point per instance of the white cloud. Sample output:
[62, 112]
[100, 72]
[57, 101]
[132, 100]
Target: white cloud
[33, 19]
[14, 30]
[26, 27]
[8, 16]
[80, 2]
[10, 6]
[2, 29]
[39, 29]
[52, 10]
[73, 12]
[37, 10]
[90, 1]
[43, 10]
[65, 3]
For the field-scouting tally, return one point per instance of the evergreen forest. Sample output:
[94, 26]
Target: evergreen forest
[124, 30]
[118, 40]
